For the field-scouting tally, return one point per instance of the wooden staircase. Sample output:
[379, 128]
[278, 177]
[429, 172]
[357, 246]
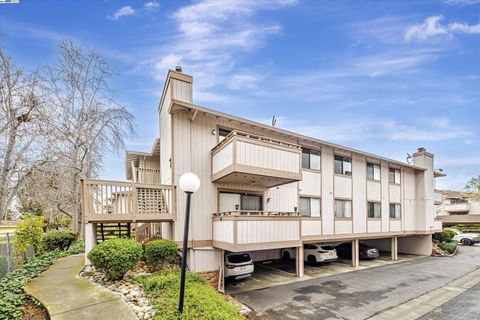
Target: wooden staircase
[106, 231]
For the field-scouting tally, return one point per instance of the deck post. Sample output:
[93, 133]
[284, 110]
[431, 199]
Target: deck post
[90, 241]
[355, 253]
[299, 261]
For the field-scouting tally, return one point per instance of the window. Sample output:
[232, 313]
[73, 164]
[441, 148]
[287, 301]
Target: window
[310, 207]
[343, 165]
[394, 175]
[222, 133]
[240, 201]
[395, 211]
[343, 208]
[373, 171]
[374, 210]
[311, 159]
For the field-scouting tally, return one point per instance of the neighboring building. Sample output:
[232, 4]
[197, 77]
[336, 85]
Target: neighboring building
[454, 207]
[264, 188]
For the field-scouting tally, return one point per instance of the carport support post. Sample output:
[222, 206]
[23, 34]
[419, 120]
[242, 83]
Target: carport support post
[355, 253]
[90, 241]
[394, 249]
[299, 261]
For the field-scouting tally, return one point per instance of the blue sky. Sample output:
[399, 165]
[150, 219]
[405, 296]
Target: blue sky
[381, 76]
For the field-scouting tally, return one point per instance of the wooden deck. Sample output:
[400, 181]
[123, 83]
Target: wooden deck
[116, 201]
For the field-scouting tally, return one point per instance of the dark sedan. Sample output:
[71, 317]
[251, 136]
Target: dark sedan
[344, 250]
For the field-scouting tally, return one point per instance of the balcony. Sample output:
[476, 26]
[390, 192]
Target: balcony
[457, 208]
[114, 201]
[147, 176]
[255, 160]
[242, 230]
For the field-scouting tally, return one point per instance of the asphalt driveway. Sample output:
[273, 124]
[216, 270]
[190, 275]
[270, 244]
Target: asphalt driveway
[359, 294]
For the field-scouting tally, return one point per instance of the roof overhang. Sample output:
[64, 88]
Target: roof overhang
[177, 106]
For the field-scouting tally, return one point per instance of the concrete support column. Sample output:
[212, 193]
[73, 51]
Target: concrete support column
[90, 241]
[355, 253]
[394, 249]
[299, 261]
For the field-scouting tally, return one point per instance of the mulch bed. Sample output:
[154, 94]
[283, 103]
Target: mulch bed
[34, 311]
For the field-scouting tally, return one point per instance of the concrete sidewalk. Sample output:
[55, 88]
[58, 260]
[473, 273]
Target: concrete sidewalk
[68, 297]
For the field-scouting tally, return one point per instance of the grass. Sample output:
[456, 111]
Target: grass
[201, 300]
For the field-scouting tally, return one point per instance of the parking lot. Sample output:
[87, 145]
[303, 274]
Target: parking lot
[277, 272]
[368, 291]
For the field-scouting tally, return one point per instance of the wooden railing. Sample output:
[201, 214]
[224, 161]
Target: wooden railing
[147, 175]
[256, 213]
[114, 201]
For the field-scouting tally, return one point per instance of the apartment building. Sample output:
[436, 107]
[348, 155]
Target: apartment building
[263, 189]
[455, 207]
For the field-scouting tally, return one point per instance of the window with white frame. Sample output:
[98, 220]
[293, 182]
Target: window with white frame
[395, 211]
[311, 159]
[373, 171]
[374, 209]
[343, 165]
[394, 176]
[343, 208]
[310, 207]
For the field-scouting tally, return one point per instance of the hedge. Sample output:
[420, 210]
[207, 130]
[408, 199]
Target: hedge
[161, 251]
[448, 246]
[57, 239]
[11, 287]
[115, 257]
[201, 300]
[445, 236]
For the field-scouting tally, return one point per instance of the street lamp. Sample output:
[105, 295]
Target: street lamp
[189, 183]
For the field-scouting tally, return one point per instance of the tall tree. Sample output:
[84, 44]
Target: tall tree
[85, 120]
[21, 104]
[473, 187]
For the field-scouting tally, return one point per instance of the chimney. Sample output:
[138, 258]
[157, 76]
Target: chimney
[424, 181]
[178, 68]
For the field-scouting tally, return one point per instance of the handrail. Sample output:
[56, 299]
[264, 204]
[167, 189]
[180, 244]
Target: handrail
[256, 137]
[255, 213]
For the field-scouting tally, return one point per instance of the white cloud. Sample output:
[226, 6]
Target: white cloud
[152, 5]
[122, 12]
[212, 36]
[432, 27]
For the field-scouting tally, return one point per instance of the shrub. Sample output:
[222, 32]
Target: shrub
[161, 251]
[448, 246]
[77, 247]
[11, 287]
[115, 257]
[201, 300]
[445, 235]
[29, 234]
[57, 240]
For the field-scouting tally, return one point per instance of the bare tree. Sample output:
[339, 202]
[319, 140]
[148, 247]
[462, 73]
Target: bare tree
[85, 122]
[20, 109]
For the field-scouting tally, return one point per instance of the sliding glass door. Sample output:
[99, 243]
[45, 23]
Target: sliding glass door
[230, 201]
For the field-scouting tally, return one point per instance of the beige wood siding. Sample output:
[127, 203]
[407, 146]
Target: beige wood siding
[385, 201]
[395, 193]
[282, 198]
[409, 202]
[259, 156]
[258, 231]
[374, 192]
[374, 226]
[311, 227]
[223, 231]
[343, 187]
[311, 183]
[222, 159]
[343, 226]
[327, 191]
[166, 141]
[359, 180]
[181, 90]
[395, 225]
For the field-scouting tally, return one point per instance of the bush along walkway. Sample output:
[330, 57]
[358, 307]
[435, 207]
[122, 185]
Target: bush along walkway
[66, 296]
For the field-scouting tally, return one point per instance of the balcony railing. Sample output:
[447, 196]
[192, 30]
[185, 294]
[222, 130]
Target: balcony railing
[252, 159]
[114, 201]
[457, 208]
[147, 175]
[251, 230]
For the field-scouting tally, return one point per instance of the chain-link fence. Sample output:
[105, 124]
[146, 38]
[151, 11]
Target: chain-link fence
[7, 253]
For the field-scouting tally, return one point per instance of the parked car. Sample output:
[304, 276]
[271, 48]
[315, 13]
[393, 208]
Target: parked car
[312, 253]
[238, 265]
[467, 239]
[344, 250]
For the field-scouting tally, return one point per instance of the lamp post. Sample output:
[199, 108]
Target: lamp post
[189, 183]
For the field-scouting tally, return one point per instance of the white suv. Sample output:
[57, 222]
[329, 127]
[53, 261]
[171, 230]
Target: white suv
[238, 265]
[467, 239]
[312, 253]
